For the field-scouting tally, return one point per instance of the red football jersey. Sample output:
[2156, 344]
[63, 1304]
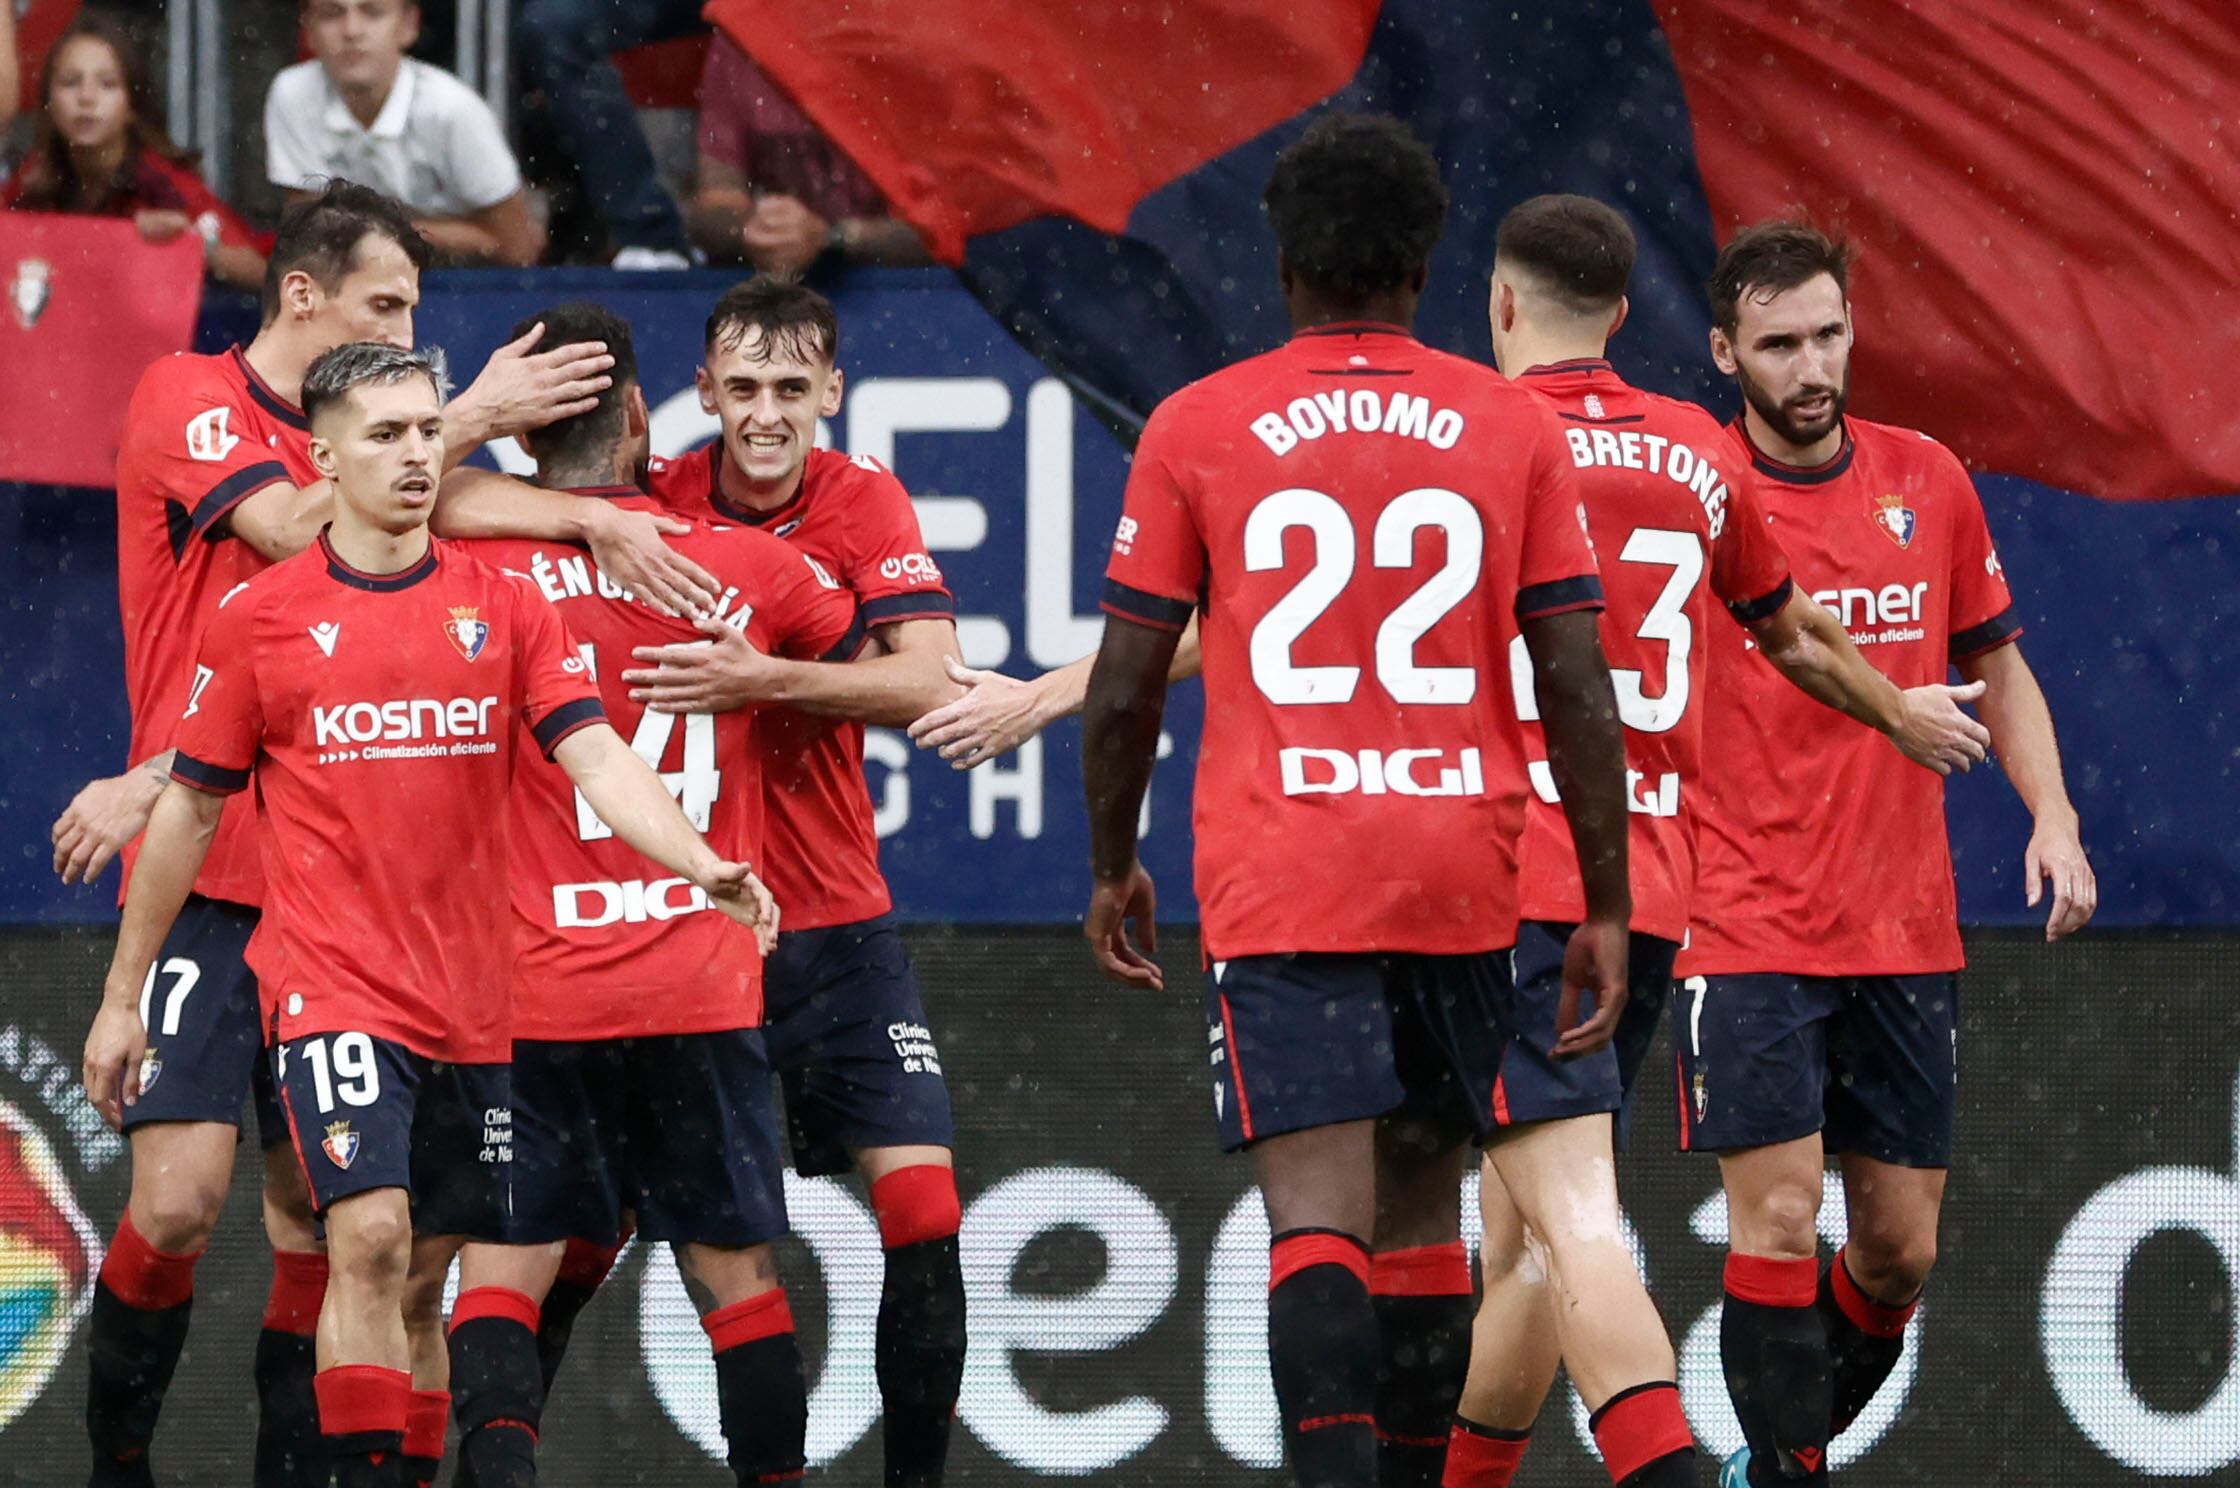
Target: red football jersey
[1362, 522]
[853, 519]
[602, 931]
[202, 434]
[1823, 850]
[379, 715]
[1674, 523]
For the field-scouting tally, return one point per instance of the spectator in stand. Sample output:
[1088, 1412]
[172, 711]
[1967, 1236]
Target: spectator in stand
[773, 190]
[565, 45]
[99, 150]
[364, 111]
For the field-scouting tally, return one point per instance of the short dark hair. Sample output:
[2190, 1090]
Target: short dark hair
[787, 312]
[1578, 249]
[1769, 257]
[1357, 205]
[333, 375]
[589, 435]
[321, 237]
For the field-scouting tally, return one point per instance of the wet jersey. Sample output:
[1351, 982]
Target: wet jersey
[1363, 523]
[604, 934]
[202, 434]
[379, 715]
[856, 522]
[1823, 850]
[1675, 525]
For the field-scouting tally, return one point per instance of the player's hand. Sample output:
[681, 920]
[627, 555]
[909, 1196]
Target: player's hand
[1112, 904]
[783, 236]
[1594, 965]
[111, 1069]
[735, 889]
[723, 672]
[996, 715]
[628, 547]
[521, 388]
[2056, 855]
[161, 224]
[100, 820]
[1935, 734]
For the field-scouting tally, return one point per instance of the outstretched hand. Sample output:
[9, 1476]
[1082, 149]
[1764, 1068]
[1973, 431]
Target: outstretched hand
[1935, 734]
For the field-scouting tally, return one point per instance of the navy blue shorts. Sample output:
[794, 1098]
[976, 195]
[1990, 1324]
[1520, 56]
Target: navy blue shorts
[368, 1113]
[205, 1037]
[847, 1034]
[1314, 1039]
[676, 1128]
[1531, 1084]
[1867, 1061]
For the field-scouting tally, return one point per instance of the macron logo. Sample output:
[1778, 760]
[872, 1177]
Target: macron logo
[325, 633]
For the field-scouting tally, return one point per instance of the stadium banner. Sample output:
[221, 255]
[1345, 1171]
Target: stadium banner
[89, 303]
[1018, 489]
[2078, 1330]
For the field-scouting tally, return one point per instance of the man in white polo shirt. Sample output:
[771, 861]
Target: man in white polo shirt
[365, 111]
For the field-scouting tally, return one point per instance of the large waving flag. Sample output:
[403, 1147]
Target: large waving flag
[2046, 194]
[2047, 191]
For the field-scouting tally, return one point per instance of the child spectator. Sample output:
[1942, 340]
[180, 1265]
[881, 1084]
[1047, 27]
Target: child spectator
[773, 190]
[364, 111]
[99, 149]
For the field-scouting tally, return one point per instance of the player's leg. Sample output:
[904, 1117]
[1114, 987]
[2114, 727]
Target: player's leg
[428, 1416]
[350, 1101]
[145, 1293]
[1514, 1349]
[1303, 1065]
[1419, 1286]
[199, 1007]
[1890, 1119]
[920, 1346]
[706, 1174]
[497, 1377]
[289, 1451]
[585, 1266]
[1563, 1178]
[1323, 1346]
[1753, 1065]
[848, 1032]
[461, 1161]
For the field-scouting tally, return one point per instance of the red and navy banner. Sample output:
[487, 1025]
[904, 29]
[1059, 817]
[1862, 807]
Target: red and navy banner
[2046, 192]
[89, 303]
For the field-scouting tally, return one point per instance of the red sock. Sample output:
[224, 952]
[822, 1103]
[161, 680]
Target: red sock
[142, 1277]
[1641, 1426]
[586, 1265]
[1875, 1319]
[299, 1290]
[916, 1204]
[362, 1413]
[1482, 1456]
[426, 1416]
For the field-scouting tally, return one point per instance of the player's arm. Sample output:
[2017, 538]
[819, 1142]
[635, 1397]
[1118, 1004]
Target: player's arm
[180, 831]
[631, 799]
[501, 233]
[2022, 732]
[105, 815]
[728, 671]
[1125, 702]
[1807, 644]
[626, 544]
[1586, 752]
[997, 714]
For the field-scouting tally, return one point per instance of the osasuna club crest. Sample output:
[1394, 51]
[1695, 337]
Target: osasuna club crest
[467, 630]
[29, 289]
[341, 1145]
[1895, 518]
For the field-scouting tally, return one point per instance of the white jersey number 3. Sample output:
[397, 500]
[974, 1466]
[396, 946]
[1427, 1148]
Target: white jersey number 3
[1391, 545]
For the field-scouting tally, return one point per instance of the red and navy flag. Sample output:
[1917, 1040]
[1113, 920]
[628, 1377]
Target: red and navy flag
[2046, 192]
